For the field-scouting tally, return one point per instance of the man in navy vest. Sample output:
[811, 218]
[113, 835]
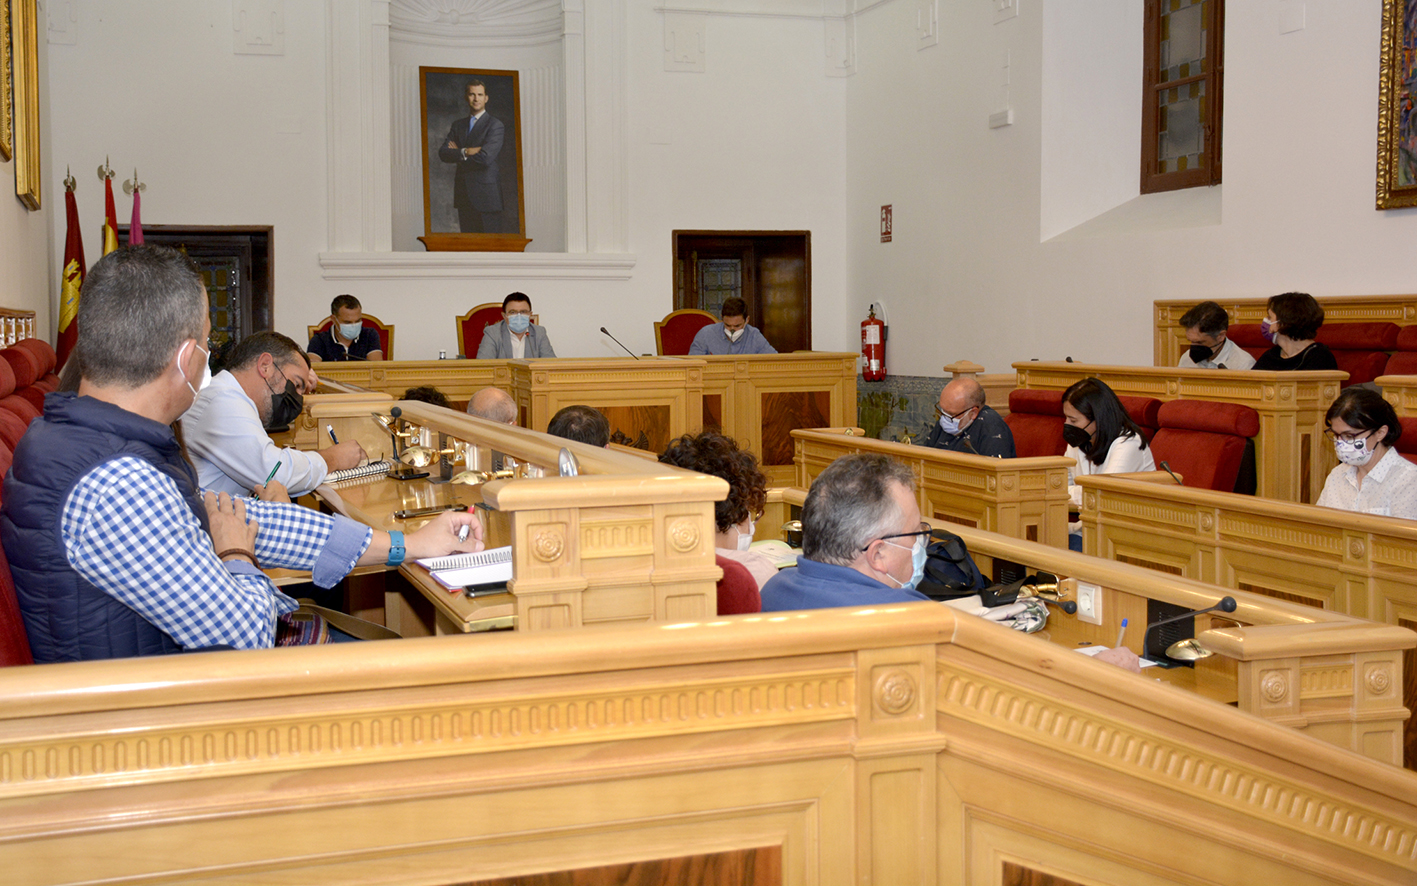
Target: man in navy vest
[114, 550]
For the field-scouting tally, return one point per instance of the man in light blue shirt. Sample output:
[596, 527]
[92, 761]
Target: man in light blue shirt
[731, 336]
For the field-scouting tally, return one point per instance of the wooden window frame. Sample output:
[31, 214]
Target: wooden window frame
[1208, 173]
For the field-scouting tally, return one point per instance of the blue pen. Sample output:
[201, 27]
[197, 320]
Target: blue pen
[1122, 632]
[330, 429]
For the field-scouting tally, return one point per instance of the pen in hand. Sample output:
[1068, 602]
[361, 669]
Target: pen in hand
[269, 477]
[1122, 632]
[330, 429]
[463, 531]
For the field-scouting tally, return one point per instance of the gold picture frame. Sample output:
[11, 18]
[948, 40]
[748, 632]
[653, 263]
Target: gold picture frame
[1397, 107]
[7, 107]
[24, 86]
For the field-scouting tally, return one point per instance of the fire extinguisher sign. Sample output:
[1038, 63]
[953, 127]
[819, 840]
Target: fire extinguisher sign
[886, 223]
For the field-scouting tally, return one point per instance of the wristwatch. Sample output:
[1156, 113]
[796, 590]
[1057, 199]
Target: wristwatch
[396, 549]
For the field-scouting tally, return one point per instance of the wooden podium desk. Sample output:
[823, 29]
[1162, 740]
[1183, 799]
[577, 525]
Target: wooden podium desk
[627, 540]
[1401, 392]
[1292, 459]
[458, 379]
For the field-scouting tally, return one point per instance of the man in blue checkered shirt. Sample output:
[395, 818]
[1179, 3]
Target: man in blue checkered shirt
[114, 550]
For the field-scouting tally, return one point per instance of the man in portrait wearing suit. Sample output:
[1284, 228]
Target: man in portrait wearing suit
[473, 143]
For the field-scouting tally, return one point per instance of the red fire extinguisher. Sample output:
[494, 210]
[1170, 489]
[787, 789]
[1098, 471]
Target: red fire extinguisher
[873, 348]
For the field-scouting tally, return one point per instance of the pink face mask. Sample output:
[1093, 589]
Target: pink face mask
[1267, 330]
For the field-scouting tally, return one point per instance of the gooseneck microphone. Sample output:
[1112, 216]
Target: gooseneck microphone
[618, 342]
[1167, 468]
[1226, 604]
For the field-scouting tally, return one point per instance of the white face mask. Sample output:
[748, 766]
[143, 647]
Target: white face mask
[745, 539]
[735, 334]
[206, 372]
[1353, 452]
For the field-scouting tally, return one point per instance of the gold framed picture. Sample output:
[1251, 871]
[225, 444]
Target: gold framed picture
[7, 105]
[24, 87]
[1397, 113]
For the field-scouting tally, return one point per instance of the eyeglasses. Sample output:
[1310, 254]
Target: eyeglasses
[512, 313]
[940, 413]
[1346, 438]
[925, 530]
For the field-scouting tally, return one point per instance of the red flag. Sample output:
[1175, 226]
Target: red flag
[74, 271]
[110, 218]
[135, 227]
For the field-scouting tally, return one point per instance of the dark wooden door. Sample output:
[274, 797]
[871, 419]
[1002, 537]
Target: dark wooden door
[770, 270]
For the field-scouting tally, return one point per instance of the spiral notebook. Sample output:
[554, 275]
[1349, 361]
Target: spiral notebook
[372, 469]
[459, 570]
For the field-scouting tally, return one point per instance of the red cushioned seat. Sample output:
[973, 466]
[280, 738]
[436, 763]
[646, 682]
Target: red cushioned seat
[1143, 411]
[1361, 366]
[1204, 441]
[737, 590]
[1359, 336]
[12, 428]
[1406, 339]
[49, 383]
[1249, 338]
[1036, 420]
[34, 395]
[14, 643]
[7, 379]
[21, 407]
[41, 349]
[26, 365]
[1406, 445]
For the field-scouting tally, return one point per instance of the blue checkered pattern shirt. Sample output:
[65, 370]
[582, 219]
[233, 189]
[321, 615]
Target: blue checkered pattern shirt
[127, 529]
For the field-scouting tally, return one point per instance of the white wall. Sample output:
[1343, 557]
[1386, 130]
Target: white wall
[755, 142]
[967, 275]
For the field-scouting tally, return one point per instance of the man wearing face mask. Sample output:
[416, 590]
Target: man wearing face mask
[963, 423]
[515, 337]
[731, 336]
[262, 387]
[115, 550]
[1207, 326]
[863, 542]
[347, 338]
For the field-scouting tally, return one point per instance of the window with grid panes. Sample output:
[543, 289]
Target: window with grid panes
[1182, 92]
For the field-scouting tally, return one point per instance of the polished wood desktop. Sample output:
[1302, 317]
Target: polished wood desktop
[1170, 339]
[1291, 456]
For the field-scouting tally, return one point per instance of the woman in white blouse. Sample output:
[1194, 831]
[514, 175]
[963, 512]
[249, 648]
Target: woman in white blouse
[1373, 478]
[1101, 438]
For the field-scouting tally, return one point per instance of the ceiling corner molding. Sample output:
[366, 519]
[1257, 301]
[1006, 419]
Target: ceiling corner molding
[475, 22]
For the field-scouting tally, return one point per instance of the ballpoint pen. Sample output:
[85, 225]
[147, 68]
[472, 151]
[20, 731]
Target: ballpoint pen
[1121, 633]
[330, 429]
[269, 477]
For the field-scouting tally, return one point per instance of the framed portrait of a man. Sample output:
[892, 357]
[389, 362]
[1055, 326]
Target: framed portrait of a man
[472, 160]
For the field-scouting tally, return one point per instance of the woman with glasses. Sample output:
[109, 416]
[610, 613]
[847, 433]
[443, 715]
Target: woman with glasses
[1101, 438]
[1373, 478]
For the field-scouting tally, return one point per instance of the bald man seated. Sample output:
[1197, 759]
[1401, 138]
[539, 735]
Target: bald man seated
[493, 404]
[965, 424]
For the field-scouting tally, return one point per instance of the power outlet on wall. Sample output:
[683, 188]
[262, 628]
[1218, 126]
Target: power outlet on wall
[1089, 600]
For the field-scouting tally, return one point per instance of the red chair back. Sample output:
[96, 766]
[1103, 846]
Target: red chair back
[1036, 420]
[1204, 441]
[737, 590]
[385, 330]
[1143, 411]
[472, 324]
[676, 331]
[1406, 445]
[1248, 337]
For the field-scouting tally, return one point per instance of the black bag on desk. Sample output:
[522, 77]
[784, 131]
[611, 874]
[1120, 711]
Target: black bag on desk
[949, 569]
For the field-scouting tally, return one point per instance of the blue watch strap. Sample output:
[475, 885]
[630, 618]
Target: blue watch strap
[396, 548]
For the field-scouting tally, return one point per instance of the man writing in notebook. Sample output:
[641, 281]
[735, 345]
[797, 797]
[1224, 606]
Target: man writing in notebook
[114, 550]
[262, 387]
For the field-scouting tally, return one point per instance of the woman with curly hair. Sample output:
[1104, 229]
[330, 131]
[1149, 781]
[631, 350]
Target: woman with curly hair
[714, 454]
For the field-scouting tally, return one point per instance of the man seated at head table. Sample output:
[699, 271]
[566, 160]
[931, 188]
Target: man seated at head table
[1207, 328]
[347, 338]
[262, 387]
[864, 544]
[965, 424]
[114, 549]
[732, 335]
[515, 337]
[493, 404]
[580, 423]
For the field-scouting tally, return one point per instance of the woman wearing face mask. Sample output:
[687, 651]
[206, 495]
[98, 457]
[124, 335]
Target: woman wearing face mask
[1373, 478]
[1101, 438]
[1291, 322]
[735, 517]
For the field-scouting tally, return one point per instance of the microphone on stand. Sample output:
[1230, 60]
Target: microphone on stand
[1226, 604]
[617, 341]
[1167, 468]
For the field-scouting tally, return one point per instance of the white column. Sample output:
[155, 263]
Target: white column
[359, 172]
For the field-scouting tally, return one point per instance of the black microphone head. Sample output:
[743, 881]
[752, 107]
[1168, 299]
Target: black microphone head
[1069, 607]
[604, 330]
[395, 412]
[1227, 604]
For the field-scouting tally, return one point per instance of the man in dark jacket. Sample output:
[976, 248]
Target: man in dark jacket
[965, 424]
[473, 143]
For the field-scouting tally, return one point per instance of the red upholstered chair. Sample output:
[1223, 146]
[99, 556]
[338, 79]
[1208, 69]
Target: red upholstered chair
[1404, 358]
[1036, 420]
[1248, 337]
[12, 428]
[386, 332]
[1406, 445]
[737, 590]
[25, 364]
[1360, 348]
[676, 331]
[26, 410]
[472, 324]
[41, 349]
[14, 642]
[1204, 441]
[1143, 411]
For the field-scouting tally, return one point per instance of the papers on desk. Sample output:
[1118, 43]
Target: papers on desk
[459, 570]
[1093, 650]
[781, 554]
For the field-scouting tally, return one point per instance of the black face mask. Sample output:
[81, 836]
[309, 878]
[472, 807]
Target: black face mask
[285, 406]
[1201, 353]
[1076, 436]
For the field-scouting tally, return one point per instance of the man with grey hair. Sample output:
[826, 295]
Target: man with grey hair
[114, 550]
[863, 542]
[493, 404]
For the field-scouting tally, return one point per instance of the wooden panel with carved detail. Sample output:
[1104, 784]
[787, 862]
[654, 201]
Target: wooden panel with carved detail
[784, 412]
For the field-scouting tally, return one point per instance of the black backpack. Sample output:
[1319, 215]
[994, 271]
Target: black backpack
[949, 569]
